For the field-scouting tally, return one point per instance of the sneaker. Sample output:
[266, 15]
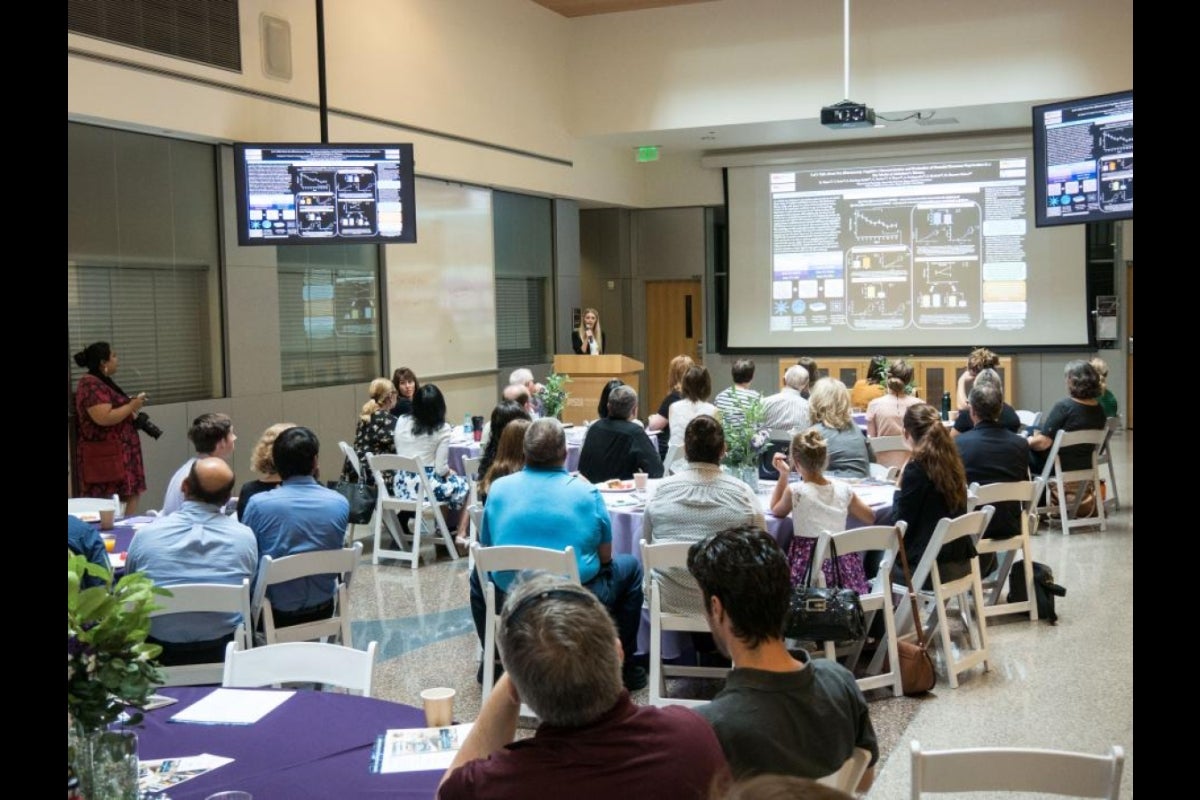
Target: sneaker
[634, 677]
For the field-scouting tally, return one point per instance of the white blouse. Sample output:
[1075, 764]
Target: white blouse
[432, 448]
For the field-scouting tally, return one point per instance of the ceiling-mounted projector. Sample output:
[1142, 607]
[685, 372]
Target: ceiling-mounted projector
[847, 114]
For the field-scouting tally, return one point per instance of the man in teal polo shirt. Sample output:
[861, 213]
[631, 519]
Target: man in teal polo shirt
[543, 506]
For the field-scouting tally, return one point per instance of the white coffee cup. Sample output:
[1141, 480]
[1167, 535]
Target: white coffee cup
[639, 481]
[439, 706]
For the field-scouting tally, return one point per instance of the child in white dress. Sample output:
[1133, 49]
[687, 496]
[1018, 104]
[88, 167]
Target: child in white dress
[817, 504]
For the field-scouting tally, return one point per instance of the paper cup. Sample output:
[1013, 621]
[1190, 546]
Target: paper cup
[108, 518]
[439, 706]
[639, 481]
[110, 542]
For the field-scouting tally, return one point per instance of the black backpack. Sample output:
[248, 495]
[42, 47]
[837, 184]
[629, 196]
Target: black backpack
[1044, 588]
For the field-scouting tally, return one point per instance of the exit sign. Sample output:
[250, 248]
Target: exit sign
[648, 153]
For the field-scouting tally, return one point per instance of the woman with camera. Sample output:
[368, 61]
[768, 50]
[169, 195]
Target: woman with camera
[110, 452]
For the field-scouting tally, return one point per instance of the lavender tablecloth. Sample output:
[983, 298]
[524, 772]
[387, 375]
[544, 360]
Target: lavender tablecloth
[465, 448]
[315, 746]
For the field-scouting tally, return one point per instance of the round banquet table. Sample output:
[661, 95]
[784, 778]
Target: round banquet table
[314, 746]
[461, 447]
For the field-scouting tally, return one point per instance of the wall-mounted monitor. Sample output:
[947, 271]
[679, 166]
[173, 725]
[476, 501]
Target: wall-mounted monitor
[324, 193]
[1083, 160]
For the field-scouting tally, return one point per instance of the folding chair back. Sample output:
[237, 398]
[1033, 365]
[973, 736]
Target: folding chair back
[1083, 479]
[1104, 456]
[662, 556]
[1013, 769]
[424, 507]
[301, 662]
[1026, 493]
[218, 598]
[340, 563]
[846, 779]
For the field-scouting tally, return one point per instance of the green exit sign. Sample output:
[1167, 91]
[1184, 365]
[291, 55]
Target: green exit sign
[649, 153]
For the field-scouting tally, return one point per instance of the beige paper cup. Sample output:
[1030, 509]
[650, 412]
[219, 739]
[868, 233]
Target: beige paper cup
[108, 518]
[639, 481]
[439, 706]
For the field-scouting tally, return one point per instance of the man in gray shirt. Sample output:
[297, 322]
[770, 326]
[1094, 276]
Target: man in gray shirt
[787, 409]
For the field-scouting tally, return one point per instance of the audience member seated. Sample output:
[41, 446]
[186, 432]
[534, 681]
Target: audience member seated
[406, 383]
[505, 412]
[543, 506]
[699, 500]
[885, 415]
[84, 540]
[817, 504]
[602, 406]
[1009, 420]
[870, 386]
[299, 517]
[375, 430]
[509, 458]
[524, 377]
[810, 366]
[788, 409]
[562, 658]
[211, 435]
[616, 447]
[980, 359]
[1107, 400]
[660, 420]
[196, 544]
[695, 388]
[850, 454]
[262, 463]
[991, 454]
[426, 435]
[779, 713]
[933, 485]
[1079, 411]
[732, 402]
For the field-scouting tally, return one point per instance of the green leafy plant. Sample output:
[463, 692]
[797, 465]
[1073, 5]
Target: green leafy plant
[745, 436]
[554, 396]
[109, 663]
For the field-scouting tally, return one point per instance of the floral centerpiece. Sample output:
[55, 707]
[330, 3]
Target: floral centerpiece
[745, 436]
[554, 395]
[109, 664]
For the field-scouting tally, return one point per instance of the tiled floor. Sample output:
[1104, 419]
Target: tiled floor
[1068, 686]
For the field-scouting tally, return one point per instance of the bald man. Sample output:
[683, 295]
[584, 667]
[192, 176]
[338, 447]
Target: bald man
[196, 544]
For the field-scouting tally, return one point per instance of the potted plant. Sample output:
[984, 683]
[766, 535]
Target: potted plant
[745, 437]
[554, 396]
[110, 667]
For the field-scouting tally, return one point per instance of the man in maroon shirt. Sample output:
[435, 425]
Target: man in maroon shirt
[562, 657]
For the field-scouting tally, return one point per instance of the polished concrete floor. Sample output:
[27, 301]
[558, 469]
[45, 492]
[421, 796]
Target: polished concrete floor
[1066, 686]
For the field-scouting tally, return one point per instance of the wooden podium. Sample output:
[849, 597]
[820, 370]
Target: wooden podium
[589, 374]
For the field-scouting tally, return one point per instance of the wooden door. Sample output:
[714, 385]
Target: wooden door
[674, 326]
[1129, 351]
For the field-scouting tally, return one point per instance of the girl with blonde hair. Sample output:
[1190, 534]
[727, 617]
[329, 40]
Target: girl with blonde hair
[588, 339]
[817, 504]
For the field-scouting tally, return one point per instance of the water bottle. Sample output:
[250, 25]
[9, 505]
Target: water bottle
[945, 405]
[467, 424]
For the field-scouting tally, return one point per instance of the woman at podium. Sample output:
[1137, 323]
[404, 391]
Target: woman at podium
[588, 339]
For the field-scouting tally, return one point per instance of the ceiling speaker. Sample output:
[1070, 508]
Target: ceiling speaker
[275, 35]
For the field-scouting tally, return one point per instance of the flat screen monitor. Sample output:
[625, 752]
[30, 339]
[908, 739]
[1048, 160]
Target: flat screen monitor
[1083, 160]
[324, 193]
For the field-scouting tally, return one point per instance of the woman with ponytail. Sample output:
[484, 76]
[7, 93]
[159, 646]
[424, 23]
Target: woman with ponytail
[110, 452]
[375, 431]
[933, 485]
[885, 415]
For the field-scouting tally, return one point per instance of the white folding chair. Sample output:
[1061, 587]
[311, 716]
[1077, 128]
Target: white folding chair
[1104, 456]
[504, 558]
[474, 509]
[352, 457]
[847, 778]
[1013, 769]
[339, 563]
[881, 472]
[1029, 419]
[301, 662]
[887, 444]
[879, 599]
[1081, 478]
[220, 598]
[92, 505]
[662, 556]
[422, 508]
[1026, 493]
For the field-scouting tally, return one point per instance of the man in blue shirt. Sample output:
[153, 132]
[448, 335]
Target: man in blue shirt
[543, 506]
[196, 544]
[299, 517]
[83, 539]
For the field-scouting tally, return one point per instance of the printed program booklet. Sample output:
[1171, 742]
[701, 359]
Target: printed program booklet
[418, 749]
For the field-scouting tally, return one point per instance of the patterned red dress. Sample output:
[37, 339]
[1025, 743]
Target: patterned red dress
[92, 391]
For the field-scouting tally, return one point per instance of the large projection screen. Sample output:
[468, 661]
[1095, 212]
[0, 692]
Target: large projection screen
[919, 253]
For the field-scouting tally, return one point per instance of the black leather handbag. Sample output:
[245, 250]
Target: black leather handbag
[825, 613]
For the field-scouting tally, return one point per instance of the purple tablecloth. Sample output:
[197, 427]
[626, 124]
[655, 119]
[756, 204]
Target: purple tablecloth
[463, 449]
[315, 746]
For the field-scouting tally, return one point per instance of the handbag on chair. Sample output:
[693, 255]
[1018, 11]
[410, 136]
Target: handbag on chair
[825, 613]
[917, 675]
[362, 497]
